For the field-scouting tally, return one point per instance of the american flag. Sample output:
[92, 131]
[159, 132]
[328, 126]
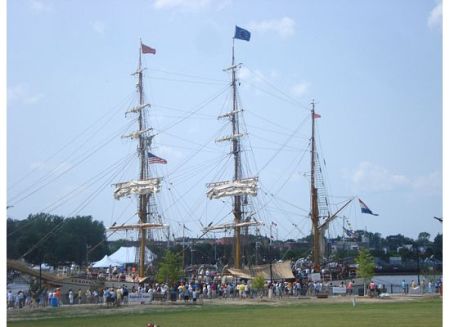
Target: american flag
[152, 159]
[147, 49]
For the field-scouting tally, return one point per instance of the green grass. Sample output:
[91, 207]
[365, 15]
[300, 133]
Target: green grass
[420, 313]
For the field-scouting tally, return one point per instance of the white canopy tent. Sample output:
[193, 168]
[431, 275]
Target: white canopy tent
[123, 256]
[105, 262]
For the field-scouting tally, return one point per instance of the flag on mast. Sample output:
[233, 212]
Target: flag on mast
[242, 34]
[316, 115]
[152, 159]
[365, 208]
[147, 49]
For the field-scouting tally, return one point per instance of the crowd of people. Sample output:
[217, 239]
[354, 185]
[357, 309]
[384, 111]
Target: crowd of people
[195, 290]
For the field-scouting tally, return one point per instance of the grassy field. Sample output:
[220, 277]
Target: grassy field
[420, 313]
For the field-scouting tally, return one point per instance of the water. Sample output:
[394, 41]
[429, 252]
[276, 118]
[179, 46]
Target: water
[17, 286]
[397, 279]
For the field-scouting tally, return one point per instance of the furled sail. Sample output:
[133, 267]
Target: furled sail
[137, 134]
[138, 108]
[137, 187]
[246, 186]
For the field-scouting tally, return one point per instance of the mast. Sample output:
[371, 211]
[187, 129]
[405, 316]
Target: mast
[145, 186]
[314, 204]
[143, 198]
[237, 168]
[238, 186]
[318, 228]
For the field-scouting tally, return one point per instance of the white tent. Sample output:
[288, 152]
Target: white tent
[105, 262]
[131, 255]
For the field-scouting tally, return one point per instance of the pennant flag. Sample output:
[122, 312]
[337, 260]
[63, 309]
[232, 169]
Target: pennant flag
[241, 34]
[152, 159]
[365, 208]
[316, 116]
[147, 49]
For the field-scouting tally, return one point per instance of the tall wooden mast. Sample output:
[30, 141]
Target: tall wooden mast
[238, 186]
[144, 186]
[314, 204]
[318, 227]
[237, 212]
[143, 198]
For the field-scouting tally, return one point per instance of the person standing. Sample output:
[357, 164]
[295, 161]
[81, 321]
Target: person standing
[350, 288]
[194, 295]
[70, 296]
[10, 299]
[125, 294]
[404, 287]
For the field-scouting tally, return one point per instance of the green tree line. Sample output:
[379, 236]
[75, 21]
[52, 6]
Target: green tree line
[56, 240]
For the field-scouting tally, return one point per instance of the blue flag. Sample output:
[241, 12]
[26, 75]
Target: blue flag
[365, 208]
[241, 34]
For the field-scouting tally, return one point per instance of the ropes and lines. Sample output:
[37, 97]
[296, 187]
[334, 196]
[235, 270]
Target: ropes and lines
[56, 176]
[75, 138]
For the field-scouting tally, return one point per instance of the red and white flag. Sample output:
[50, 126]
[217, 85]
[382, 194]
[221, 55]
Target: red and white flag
[147, 49]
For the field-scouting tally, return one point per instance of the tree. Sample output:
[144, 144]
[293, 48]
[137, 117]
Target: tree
[366, 266]
[55, 240]
[258, 283]
[170, 268]
[437, 247]
[424, 237]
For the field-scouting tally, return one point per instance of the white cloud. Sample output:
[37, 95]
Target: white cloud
[299, 89]
[40, 6]
[190, 4]
[429, 184]
[285, 27]
[21, 94]
[369, 177]
[435, 17]
[98, 27]
[372, 178]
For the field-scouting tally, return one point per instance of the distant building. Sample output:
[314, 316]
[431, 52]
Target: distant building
[395, 260]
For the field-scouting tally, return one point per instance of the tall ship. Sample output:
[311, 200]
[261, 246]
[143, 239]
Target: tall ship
[146, 185]
[238, 187]
[142, 189]
[320, 213]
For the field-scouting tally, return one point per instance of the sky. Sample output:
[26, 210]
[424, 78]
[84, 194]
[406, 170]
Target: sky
[373, 68]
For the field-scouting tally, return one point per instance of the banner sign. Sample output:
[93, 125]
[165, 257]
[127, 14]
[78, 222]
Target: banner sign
[339, 290]
[140, 297]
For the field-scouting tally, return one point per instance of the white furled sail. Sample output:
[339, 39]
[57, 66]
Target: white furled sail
[137, 187]
[138, 108]
[247, 186]
[137, 134]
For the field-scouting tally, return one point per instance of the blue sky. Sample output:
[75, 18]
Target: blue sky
[374, 69]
